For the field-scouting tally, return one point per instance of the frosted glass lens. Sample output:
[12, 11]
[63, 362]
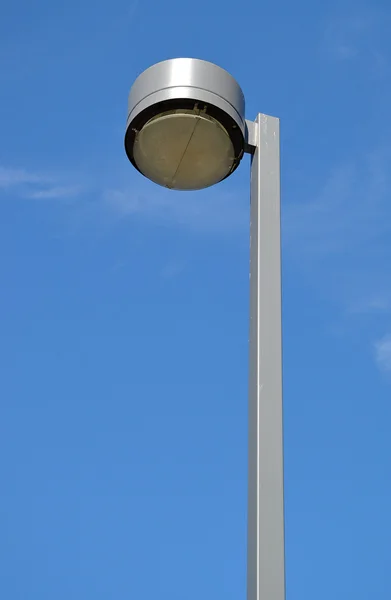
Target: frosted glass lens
[184, 151]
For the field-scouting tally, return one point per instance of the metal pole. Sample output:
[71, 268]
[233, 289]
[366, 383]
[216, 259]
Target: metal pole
[265, 554]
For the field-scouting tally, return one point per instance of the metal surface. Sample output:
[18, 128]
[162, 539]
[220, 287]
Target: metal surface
[251, 136]
[187, 78]
[265, 560]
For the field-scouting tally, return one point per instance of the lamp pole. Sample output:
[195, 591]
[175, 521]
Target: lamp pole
[265, 535]
[186, 130]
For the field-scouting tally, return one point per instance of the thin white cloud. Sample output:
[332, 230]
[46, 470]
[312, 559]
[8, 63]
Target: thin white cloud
[362, 35]
[11, 177]
[35, 186]
[213, 211]
[52, 193]
[383, 353]
[133, 8]
[339, 238]
[172, 269]
[371, 305]
[344, 36]
[206, 211]
[350, 211]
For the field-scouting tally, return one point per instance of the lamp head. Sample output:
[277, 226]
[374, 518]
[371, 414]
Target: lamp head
[186, 124]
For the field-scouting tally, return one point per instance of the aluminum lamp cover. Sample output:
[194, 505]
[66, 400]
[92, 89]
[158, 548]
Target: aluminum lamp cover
[186, 125]
[184, 150]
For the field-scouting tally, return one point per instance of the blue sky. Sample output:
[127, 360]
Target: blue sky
[123, 331]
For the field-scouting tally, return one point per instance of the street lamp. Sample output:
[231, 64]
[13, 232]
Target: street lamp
[186, 130]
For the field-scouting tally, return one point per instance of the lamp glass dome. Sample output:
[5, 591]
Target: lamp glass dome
[184, 150]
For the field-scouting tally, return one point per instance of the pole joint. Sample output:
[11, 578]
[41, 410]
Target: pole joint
[251, 137]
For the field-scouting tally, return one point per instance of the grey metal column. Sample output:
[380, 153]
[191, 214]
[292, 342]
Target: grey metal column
[265, 559]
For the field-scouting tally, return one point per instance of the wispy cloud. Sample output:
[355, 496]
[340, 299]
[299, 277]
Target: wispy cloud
[383, 353]
[339, 236]
[206, 211]
[35, 186]
[362, 35]
[54, 192]
[349, 211]
[133, 8]
[372, 305]
[343, 36]
[11, 177]
[172, 269]
[215, 210]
